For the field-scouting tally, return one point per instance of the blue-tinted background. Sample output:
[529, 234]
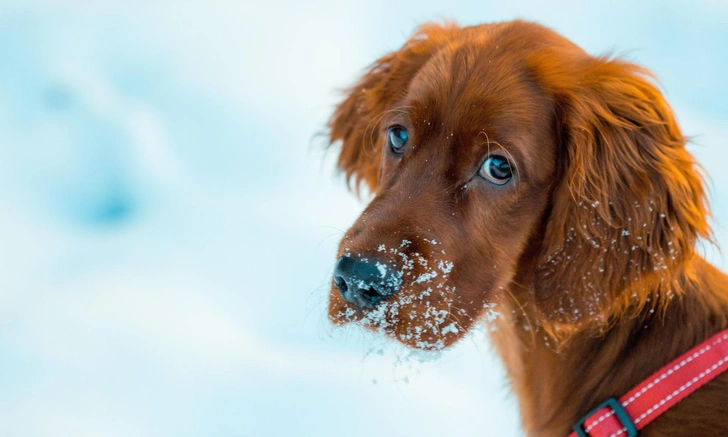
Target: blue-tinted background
[168, 220]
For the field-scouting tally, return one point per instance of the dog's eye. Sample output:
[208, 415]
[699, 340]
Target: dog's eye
[397, 139]
[496, 170]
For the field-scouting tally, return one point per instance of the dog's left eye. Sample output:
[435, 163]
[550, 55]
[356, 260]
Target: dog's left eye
[496, 170]
[397, 139]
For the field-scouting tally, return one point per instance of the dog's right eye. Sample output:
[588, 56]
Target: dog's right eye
[397, 139]
[496, 170]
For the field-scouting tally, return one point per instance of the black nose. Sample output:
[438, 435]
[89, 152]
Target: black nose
[365, 282]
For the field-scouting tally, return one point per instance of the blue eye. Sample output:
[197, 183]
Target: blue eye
[496, 170]
[397, 139]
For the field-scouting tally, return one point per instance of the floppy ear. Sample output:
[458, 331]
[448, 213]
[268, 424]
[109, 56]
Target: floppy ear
[629, 207]
[356, 120]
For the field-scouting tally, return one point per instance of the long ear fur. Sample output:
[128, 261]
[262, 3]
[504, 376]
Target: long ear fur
[355, 121]
[630, 205]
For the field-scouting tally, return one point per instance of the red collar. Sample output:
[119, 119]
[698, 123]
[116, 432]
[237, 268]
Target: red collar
[625, 416]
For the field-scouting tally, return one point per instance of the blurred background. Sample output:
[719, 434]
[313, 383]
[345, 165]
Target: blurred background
[169, 219]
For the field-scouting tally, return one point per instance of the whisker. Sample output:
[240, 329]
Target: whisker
[523, 312]
[335, 234]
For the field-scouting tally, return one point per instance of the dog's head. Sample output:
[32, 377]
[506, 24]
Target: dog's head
[503, 158]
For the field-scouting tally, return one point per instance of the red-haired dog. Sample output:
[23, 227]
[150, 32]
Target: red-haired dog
[519, 179]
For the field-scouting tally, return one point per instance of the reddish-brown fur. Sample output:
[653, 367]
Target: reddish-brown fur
[586, 262]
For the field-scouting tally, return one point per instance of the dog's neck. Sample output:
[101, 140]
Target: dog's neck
[557, 384]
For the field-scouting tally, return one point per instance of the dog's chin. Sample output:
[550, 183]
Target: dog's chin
[418, 324]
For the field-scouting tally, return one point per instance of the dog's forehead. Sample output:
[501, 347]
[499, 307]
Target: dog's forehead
[479, 95]
[474, 82]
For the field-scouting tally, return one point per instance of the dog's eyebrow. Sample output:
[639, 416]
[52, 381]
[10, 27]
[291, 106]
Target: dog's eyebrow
[398, 110]
[402, 109]
[488, 144]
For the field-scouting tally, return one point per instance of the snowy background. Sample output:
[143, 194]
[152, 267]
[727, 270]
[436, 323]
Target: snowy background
[168, 220]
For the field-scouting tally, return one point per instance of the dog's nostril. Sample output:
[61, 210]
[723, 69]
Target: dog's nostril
[340, 283]
[370, 293]
[364, 282]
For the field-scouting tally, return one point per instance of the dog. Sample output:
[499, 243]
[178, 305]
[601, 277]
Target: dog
[518, 179]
